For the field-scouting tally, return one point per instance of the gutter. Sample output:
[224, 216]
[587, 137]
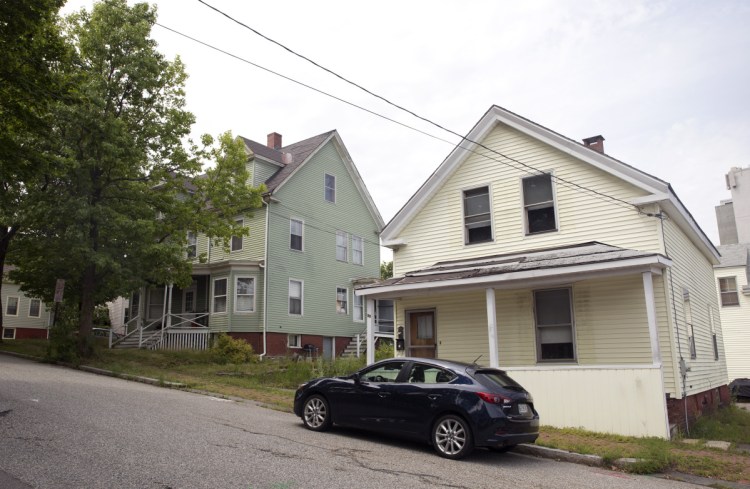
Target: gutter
[265, 281]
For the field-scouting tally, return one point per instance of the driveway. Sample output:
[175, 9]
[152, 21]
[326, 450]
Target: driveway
[63, 428]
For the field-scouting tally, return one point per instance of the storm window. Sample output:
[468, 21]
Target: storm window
[244, 294]
[220, 295]
[728, 291]
[295, 297]
[477, 217]
[342, 295]
[539, 204]
[554, 324]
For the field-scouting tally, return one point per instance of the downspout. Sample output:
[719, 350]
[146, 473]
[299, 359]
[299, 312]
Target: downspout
[265, 280]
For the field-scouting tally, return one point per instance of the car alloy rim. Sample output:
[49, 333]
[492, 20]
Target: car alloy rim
[315, 412]
[450, 436]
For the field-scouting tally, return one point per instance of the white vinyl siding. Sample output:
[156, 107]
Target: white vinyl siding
[436, 232]
[735, 327]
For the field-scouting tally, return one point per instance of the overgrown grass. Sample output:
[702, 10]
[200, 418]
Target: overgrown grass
[731, 424]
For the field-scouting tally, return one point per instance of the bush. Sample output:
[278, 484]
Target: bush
[230, 350]
[384, 349]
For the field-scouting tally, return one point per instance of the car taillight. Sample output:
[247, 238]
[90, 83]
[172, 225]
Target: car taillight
[493, 398]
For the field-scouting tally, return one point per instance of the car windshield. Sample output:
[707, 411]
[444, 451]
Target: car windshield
[497, 378]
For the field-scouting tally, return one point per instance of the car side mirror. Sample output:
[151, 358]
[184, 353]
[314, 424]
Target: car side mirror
[355, 378]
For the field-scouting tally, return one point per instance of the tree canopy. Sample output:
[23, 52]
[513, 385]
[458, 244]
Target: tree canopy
[126, 188]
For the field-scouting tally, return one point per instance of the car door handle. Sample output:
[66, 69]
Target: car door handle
[433, 397]
[384, 394]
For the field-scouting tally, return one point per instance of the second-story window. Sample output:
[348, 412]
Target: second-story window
[192, 244]
[295, 234]
[539, 204]
[237, 240]
[728, 291]
[477, 217]
[342, 246]
[330, 188]
[358, 247]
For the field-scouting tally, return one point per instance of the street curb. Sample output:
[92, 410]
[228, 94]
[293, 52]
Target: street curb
[701, 481]
[100, 371]
[557, 454]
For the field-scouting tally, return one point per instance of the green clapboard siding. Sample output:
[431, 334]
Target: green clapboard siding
[303, 198]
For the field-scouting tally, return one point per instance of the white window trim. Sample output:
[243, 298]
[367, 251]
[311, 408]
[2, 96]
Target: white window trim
[736, 291]
[325, 187]
[346, 306]
[193, 246]
[236, 289]
[298, 337]
[31, 301]
[241, 222]
[7, 304]
[361, 250]
[301, 299]
[291, 220]
[9, 337]
[356, 297]
[539, 359]
[464, 231]
[554, 204]
[213, 295]
[346, 246]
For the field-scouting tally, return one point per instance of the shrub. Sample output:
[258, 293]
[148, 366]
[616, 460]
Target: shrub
[230, 350]
[384, 349]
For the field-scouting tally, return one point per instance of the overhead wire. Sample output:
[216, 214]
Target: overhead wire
[535, 171]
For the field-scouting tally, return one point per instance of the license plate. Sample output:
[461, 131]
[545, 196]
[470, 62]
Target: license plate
[523, 409]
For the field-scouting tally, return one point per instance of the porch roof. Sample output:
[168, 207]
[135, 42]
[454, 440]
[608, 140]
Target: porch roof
[521, 269]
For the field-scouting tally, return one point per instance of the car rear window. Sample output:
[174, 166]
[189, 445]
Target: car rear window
[497, 378]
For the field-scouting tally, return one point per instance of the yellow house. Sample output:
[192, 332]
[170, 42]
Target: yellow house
[583, 277]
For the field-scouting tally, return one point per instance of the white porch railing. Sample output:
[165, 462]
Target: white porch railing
[171, 331]
[184, 339]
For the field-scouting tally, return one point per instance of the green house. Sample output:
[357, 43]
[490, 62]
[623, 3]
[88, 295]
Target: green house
[288, 286]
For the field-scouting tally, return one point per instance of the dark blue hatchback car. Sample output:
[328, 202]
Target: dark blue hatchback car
[454, 406]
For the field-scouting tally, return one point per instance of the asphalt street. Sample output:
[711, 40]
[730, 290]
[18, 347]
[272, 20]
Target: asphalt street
[63, 428]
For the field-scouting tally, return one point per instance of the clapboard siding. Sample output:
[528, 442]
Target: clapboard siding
[735, 322]
[436, 232]
[693, 271]
[252, 244]
[303, 198]
[22, 320]
[262, 171]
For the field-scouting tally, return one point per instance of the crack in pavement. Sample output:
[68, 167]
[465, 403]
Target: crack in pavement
[5, 413]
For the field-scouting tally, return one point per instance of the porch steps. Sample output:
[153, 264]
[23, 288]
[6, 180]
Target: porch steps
[150, 338]
[351, 349]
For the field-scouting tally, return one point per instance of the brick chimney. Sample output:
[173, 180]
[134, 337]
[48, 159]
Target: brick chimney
[595, 142]
[274, 140]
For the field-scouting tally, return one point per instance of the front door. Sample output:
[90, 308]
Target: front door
[422, 334]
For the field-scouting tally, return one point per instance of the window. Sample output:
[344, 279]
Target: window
[294, 340]
[358, 249]
[539, 204]
[192, 244]
[477, 218]
[188, 302]
[220, 295]
[342, 246]
[554, 324]
[387, 372]
[295, 234]
[9, 333]
[295, 297]
[689, 324]
[359, 308]
[713, 332]
[426, 374]
[35, 308]
[11, 306]
[341, 300]
[237, 240]
[244, 294]
[384, 315]
[330, 188]
[728, 291]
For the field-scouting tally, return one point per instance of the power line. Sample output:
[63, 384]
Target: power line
[523, 168]
[535, 171]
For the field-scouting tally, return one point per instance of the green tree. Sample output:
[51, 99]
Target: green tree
[30, 50]
[386, 270]
[117, 212]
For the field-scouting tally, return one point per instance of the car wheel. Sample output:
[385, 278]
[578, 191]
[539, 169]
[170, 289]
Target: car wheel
[316, 415]
[451, 437]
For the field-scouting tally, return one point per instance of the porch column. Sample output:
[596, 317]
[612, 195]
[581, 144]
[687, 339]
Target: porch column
[370, 331]
[653, 330]
[492, 327]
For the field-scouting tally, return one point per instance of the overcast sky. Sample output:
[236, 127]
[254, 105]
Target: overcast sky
[665, 82]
